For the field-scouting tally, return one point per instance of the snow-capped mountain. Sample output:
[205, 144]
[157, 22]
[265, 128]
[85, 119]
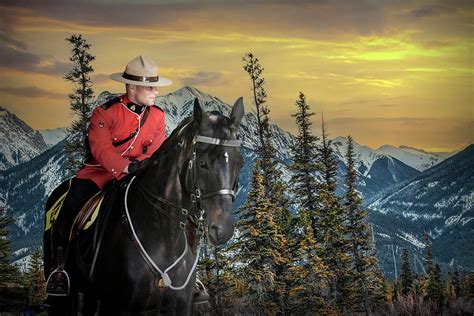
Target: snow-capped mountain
[18, 141]
[376, 170]
[438, 201]
[413, 157]
[53, 136]
[24, 189]
[416, 158]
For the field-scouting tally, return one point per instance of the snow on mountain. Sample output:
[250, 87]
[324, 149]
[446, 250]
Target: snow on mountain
[53, 136]
[364, 155]
[415, 158]
[18, 141]
[179, 104]
[439, 201]
[25, 189]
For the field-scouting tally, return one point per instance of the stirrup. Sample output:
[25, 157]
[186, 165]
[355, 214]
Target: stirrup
[200, 297]
[50, 291]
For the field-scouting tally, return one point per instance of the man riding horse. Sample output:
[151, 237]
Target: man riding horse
[123, 133]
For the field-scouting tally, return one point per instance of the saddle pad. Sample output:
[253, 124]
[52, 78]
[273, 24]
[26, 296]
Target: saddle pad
[53, 212]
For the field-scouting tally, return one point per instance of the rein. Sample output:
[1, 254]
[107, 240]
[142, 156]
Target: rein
[196, 198]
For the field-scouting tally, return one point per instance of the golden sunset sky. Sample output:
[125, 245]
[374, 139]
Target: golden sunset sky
[386, 72]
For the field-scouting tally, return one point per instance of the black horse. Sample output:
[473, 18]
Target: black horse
[145, 245]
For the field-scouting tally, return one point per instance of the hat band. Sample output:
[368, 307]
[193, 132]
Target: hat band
[140, 78]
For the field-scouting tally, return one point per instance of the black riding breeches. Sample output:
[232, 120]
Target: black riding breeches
[80, 191]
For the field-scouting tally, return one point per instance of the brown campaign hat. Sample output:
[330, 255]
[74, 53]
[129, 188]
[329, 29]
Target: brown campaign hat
[141, 71]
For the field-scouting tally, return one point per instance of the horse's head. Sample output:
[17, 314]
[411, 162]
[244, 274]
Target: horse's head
[214, 171]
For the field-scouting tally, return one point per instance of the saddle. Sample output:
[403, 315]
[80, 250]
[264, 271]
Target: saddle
[87, 214]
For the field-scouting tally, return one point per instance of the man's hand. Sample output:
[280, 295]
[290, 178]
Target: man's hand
[136, 165]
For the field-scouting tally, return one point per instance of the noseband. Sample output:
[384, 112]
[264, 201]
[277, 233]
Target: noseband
[196, 198]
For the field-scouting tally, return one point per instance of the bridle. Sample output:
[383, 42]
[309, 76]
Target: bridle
[197, 218]
[197, 196]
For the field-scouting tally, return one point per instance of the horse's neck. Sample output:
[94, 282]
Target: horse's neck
[162, 176]
[162, 179]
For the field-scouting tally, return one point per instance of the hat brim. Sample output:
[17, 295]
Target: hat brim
[162, 81]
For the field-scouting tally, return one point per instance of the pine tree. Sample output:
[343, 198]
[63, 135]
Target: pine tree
[456, 281]
[81, 101]
[216, 275]
[35, 279]
[304, 156]
[364, 263]
[428, 255]
[331, 231]
[434, 291]
[275, 188]
[259, 249]
[8, 273]
[449, 291]
[309, 275]
[406, 276]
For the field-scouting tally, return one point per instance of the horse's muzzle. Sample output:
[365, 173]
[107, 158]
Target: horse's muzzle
[220, 219]
[220, 234]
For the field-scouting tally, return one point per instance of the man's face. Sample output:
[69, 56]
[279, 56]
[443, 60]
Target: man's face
[145, 95]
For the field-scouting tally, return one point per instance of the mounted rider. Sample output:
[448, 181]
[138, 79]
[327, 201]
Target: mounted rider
[123, 133]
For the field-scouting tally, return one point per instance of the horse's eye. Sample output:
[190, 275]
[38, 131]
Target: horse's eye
[203, 165]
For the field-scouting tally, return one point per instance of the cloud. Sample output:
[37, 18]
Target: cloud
[100, 78]
[205, 78]
[16, 58]
[324, 18]
[32, 92]
[431, 10]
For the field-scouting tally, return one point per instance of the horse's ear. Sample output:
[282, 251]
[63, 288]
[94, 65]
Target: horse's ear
[200, 117]
[237, 112]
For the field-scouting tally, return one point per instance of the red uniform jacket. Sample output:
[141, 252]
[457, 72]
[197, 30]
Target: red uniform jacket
[114, 122]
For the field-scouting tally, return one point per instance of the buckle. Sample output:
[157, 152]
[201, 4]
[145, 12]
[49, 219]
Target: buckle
[182, 225]
[198, 193]
[185, 212]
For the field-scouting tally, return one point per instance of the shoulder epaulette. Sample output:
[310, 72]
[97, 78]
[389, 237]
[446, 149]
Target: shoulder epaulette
[156, 106]
[109, 103]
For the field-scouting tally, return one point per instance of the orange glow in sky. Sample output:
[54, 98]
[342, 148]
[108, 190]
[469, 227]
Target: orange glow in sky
[385, 72]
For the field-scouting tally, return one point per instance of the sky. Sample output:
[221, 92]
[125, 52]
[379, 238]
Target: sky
[385, 72]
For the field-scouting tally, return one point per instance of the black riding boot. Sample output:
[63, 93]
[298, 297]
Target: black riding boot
[58, 282]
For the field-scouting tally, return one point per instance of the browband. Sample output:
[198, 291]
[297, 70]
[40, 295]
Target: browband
[217, 141]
